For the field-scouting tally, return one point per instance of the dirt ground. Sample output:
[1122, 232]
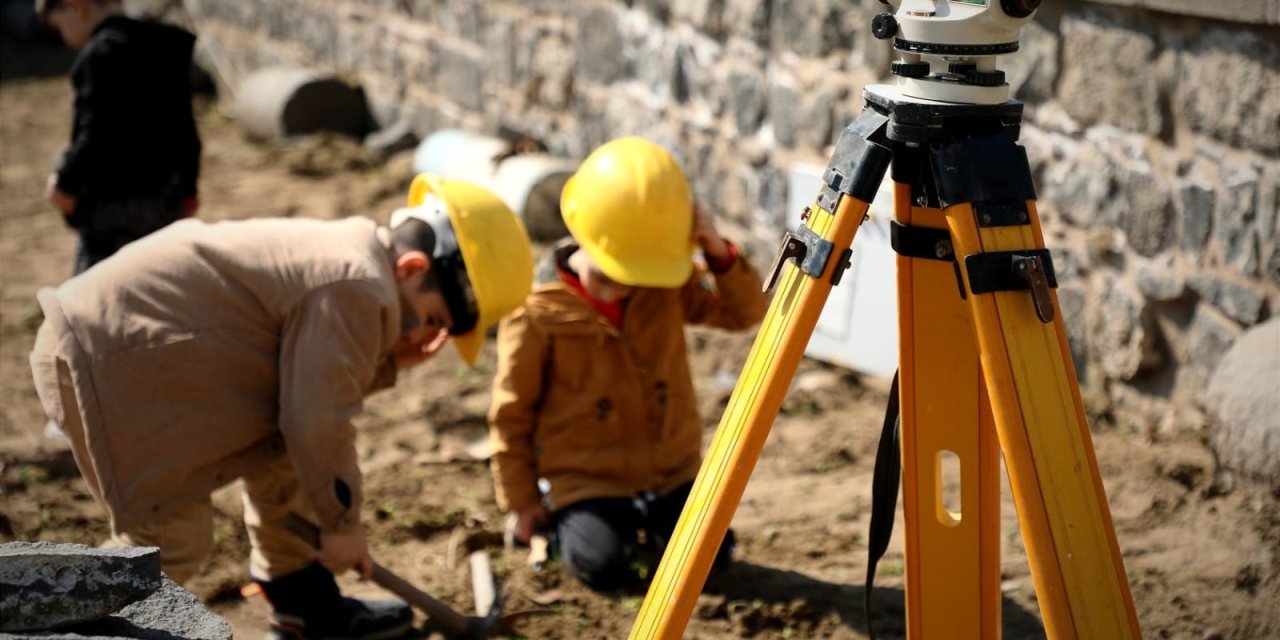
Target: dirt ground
[1203, 555]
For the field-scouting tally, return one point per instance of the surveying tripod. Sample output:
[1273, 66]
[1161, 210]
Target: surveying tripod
[984, 367]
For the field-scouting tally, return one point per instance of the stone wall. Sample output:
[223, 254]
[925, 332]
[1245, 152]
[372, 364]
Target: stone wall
[1153, 127]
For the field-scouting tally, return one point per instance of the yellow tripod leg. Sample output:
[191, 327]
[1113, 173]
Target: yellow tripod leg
[743, 429]
[952, 534]
[850, 182]
[1066, 523]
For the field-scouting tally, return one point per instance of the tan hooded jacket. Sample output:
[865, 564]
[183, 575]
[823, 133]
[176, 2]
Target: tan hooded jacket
[202, 350]
[600, 411]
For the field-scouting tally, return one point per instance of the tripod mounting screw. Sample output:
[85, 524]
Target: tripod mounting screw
[884, 26]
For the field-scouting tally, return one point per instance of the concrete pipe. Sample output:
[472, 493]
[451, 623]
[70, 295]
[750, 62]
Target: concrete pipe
[279, 102]
[530, 183]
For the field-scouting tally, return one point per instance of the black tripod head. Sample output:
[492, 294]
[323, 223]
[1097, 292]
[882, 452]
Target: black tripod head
[946, 49]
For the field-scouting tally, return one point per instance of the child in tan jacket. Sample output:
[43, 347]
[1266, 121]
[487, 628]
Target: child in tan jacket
[594, 421]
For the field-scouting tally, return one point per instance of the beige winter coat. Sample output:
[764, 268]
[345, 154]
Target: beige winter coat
[601, 411]
[203, 350]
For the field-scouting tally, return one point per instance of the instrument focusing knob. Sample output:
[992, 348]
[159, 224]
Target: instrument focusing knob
[1019, 8]
[884, 26]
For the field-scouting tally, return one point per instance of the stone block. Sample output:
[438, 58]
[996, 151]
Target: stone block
[1033, 70]
[551, 72]
[1243, 398]
[1243, 11]
[816, 116]
[1081, 184]
[168, 614]
[1159, 281]
[1108, 72]
[1071, 301]
[45, 585]
[1235, 231]
[1241, 302]
[463, 19]
[1123, 333]
[459, 75]
[706, 15]
[678, 89]
[813, 27]
[654, 56]
[1228, 87]
[500, 43]
[1147, 219]
[746, 92]
[1197, 204]
[749, 19]
[598, 51]
[784, 109]
[1208, 337]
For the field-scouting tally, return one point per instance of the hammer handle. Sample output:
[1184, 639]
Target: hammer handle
[451, 620]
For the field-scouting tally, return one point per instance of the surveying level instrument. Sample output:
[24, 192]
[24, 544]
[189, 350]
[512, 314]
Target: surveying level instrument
[984, 367]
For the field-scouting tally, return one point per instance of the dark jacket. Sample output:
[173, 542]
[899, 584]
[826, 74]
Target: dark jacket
[134, 134]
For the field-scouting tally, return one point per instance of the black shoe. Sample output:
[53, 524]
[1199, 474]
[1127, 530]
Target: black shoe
[724, 556]
[353, 620]
[307, 605]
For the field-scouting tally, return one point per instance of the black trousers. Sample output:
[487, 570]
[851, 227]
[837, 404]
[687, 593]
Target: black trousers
[605, 541]
[105, 227]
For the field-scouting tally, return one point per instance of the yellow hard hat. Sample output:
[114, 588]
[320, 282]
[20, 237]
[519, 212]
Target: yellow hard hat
[629, 207]
[494, 248]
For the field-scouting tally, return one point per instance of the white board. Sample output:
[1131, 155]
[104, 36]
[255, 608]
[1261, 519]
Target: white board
[858, 327]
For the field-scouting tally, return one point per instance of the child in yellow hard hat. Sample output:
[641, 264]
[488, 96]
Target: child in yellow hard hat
[206, 353]
[595, 427]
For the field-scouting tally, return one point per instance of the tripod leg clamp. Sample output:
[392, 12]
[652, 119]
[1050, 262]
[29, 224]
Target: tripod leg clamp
[809, 250]
[1015, 271]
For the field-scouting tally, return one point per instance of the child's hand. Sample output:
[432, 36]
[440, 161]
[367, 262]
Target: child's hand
[410, 352]
[527, 520]
[706, 235]
[341, 551]
[65, 202]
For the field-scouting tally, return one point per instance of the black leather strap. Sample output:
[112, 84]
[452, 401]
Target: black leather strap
[884, 495]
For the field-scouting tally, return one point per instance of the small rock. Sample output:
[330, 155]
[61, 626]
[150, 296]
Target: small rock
[45, 585]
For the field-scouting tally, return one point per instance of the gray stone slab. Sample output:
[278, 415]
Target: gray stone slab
[1241, 302]
[599, 56]
[171, 613]
[45, 585]
[1225, 87]
[1119, 88]
[1160, 280]
[1244, 400]
[1122, 333]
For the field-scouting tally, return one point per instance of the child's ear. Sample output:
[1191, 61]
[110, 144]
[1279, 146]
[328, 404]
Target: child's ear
[411, 263]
